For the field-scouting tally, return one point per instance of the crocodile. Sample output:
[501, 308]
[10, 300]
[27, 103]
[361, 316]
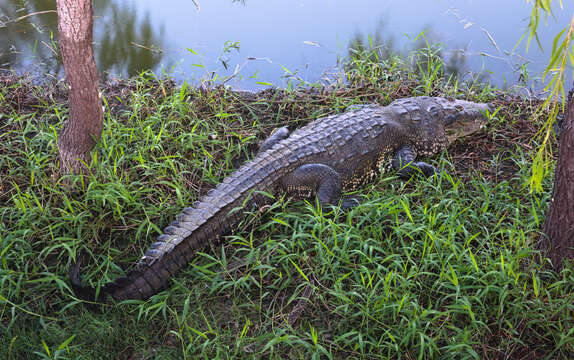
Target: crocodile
[328, 156]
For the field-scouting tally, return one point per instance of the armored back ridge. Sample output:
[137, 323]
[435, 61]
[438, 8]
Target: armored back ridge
[329, 155]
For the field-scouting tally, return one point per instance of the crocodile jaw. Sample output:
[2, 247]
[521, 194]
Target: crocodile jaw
[463, 118]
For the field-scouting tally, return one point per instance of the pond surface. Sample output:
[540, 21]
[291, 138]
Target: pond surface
[267, 41]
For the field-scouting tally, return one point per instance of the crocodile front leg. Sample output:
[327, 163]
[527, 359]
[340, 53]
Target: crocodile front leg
[405, 166]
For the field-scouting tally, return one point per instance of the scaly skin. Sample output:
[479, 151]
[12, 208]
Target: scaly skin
[329, 155]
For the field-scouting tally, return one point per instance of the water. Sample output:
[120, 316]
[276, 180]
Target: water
[265, 40]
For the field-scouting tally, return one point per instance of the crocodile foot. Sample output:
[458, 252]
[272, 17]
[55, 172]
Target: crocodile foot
[349, 202]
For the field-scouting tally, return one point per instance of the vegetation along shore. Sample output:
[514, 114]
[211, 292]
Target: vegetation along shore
[439, 267]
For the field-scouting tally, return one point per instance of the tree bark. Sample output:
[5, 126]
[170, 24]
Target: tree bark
[559, 226]
[84, 125]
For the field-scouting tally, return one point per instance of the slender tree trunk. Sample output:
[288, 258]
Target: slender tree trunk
[559, 226]
[84, 125]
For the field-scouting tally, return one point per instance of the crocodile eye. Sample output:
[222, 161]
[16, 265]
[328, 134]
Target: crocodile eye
[450, 119]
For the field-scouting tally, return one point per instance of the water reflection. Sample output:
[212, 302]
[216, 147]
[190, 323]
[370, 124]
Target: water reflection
[28, 40]
[124, 42]
[306, 38]
[424, 52]
[428, 50]
[377, 47]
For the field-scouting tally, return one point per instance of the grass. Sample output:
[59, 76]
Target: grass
[444, 267]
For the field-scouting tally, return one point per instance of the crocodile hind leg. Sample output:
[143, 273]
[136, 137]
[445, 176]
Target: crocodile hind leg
[405, 166]
[276, 136]
[309, 179]
[320, 180]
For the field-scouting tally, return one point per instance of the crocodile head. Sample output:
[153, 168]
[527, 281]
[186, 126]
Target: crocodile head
[461, 118]
[436, 122]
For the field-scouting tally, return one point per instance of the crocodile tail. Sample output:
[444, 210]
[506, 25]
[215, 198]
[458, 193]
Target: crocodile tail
[123, 288]
[86, 293]
[146, 279]
[172, 251]
[195, 228]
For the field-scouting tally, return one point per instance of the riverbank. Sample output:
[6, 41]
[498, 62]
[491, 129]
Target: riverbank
[440, 267]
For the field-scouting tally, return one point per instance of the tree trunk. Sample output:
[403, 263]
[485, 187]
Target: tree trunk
[559, 226]
[84, 125]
